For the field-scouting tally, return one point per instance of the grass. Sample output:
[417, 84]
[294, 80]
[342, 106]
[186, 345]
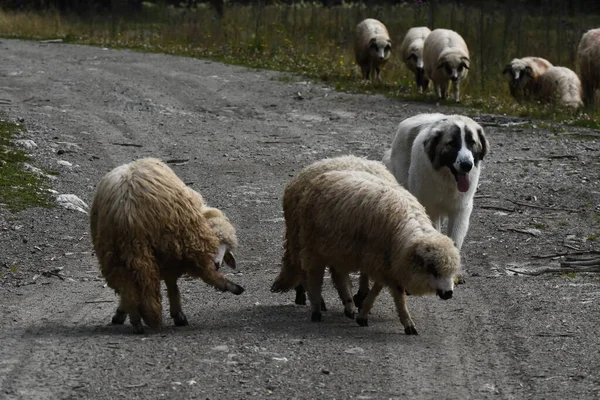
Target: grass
[19, 189]
[316, 42]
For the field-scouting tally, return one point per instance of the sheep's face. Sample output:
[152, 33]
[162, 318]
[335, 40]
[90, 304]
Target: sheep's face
[436, 263]
[223, 229]
[455, 68]
[380, 48]
[518, 75]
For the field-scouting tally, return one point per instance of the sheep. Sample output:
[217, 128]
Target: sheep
[446, 58]
[146, 226]
[291, 272]
[523, 73]
[559, 85]
[588, 58]
[356, 221]
[411, 50]
[372, 47]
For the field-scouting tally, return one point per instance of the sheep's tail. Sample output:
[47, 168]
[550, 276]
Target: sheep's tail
[290, 275]
[146, 278]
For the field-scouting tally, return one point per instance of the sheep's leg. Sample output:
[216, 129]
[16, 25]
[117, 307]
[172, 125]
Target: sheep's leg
[131, 305]
[402, 309]
[438, 90]
[378, 70]
[120, 315]
[363, 315]
[363, 290]
[342, 284]
[444, 90]
[177, 314]
[314, 280]
[300, 295]
[425, 84]
[456, 89]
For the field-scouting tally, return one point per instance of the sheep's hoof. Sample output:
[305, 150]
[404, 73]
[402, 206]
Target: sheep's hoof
[300, 298]
[362, 321]
[323, 306]
[180, 319]
[138, 328]
[410, 330]
[237, 289]
[119, 318]
[358, 300]
[316, 316]
[349, 314]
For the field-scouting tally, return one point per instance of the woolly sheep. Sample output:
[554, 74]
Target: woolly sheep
[559, 85]
[291, 272]
[446, 58]
[588, 58]
[372, 47]
[411, 50]
[523, 73]
[147, 226]
[355, 221]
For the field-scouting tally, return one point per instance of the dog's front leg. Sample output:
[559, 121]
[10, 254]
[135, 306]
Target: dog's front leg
[458, 225]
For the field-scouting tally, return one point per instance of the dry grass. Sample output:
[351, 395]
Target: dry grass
[317, 42]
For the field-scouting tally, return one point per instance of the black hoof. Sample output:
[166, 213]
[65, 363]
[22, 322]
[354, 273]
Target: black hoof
[316, 316]
[349, 314]
[410, 330]
[300, 298]
[180, 319]
[119, 319]
[362, 321]
[323, 306]
[358, 300]
[138, 328]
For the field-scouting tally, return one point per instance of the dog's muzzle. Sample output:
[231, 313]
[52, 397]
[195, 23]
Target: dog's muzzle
[444, 295]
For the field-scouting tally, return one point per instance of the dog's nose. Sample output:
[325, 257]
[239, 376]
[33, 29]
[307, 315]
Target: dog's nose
[465, 166]
[444, 295]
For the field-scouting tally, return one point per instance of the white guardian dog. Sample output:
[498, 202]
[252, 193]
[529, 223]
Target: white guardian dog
[438, 159]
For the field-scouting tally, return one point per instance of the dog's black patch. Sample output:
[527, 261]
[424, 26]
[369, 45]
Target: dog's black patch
[476, 142]
[448, 145]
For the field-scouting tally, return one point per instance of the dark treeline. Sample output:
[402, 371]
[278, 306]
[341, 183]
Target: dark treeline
[545, 7]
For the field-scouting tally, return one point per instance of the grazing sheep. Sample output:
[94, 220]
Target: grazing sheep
[411, 50]
[561, 86]
[588, 58]
[372, 47]
[147, 226]
[523, 73]
[446, 58]
[355, 221]
[291, 272]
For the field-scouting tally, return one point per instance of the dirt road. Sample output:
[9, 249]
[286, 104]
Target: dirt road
[242, 134]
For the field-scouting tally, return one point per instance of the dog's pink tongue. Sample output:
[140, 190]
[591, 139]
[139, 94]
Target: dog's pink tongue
[463, 181]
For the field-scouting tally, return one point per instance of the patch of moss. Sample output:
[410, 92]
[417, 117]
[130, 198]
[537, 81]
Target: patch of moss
[593, 237]
[19, 189]
[571, 275]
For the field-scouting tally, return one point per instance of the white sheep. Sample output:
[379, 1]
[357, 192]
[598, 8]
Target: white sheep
[356, 221]
[411, 51]
[561, 86]
[523, 73]
[446, 58]
[372, 47]
[588, 58]
[147, 226]
[291, 274]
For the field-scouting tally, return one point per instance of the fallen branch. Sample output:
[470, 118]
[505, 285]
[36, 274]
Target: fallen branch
[497, 208]
[99, 301]
[581, 263]
[521, 203]
[557, 270]
[521, 231]
[127, 144]
[573, 253]
[177, 161]
[564, 156]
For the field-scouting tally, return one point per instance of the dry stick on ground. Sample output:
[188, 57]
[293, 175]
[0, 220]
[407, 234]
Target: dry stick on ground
[128, 144]
[521, 203]
[497, 208]
[573, 253]
[557, 270]
[581, 263]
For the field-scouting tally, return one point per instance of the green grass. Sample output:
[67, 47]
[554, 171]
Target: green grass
[571, 275]
[19, 189]
[316, 42]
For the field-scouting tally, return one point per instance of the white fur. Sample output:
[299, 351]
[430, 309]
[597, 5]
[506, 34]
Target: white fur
[560, 85]
[411, 50]
[435, 189]
[372, 47]
[588, 59]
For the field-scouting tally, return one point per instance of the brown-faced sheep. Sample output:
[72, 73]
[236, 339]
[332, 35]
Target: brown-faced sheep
[291, 272]
[372, 47]
[355, 221]
[147, 226]
[523, 73]
[446, 58]
[588, 58]
[561, 86]
[411, 51]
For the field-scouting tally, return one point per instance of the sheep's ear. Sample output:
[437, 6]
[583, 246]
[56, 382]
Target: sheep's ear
[218, 258]
[229, 259]
[529, 71]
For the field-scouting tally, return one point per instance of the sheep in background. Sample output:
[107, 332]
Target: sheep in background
[588, 58]
[523, 73]
[559, 85]
[147, 225]
[446, 58]
[355, 221]
[372, 47]
[291, 272]
[411, 50]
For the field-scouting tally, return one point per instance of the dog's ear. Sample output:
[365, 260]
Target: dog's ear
[431, 143]
[485, 145]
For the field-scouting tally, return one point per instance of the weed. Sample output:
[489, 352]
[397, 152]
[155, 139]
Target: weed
[540, 226]
[571, 275]
[13, 269]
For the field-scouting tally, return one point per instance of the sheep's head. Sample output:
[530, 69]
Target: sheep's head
[455, 66]
[436, 263]
[518, 73]
[415, 60]
[222, 227]
[380, 48]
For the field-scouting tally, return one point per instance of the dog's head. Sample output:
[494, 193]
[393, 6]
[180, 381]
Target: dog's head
[459, 144]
